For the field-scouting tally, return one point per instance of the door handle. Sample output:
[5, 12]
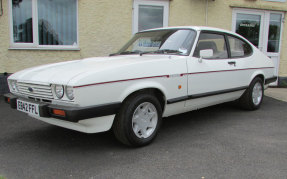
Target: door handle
[232, 63]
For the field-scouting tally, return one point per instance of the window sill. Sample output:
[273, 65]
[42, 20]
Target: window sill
[45, 48]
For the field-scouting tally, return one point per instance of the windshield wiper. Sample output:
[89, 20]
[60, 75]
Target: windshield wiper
[163, 51]
[129, 52]
[151, 52]
[113, 54]
[126, 53]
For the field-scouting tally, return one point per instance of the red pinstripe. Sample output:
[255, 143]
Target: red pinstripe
[167, 76]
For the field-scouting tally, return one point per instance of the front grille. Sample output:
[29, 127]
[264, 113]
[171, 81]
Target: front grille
[38, 91]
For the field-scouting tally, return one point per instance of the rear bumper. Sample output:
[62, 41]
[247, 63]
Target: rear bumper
[72, 114]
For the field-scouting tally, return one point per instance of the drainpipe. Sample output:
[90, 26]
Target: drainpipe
[206, 13]
[1, 10]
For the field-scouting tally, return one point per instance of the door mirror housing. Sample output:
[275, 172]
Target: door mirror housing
[208, 53]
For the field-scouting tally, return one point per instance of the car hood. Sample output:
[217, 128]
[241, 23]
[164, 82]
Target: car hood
[101, 68]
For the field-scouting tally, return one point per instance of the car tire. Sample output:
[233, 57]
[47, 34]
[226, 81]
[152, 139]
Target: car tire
[138, 120]
[253, 96]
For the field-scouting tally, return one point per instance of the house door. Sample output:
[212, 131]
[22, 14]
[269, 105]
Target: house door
[263, 29]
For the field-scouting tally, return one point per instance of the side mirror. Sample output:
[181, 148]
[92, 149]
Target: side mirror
[206, 53]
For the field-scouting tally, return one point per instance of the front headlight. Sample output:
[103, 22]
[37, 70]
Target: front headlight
[70, 92]
[13, 85]
[59, 91]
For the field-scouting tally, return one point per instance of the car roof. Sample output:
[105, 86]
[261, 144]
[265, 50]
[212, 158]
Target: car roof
[200, 28]
[197, 28]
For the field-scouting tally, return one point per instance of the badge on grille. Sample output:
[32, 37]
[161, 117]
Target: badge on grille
[30, 89]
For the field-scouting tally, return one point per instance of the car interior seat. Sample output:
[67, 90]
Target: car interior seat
[204, 45]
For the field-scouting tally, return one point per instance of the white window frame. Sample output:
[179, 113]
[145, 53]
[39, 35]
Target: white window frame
[137, 3]
[35, 44]
[276, 0]
[264, 28]
[251, 12]
[264, 31]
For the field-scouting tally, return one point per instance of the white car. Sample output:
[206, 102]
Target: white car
[158, 73]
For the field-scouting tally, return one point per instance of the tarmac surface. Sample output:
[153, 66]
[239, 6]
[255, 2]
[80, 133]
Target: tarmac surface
[216, 142]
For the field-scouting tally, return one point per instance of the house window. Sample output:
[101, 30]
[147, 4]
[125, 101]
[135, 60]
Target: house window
[22, 21]
[150, 14]
[44, 24]
[274, 33]
[249, 26]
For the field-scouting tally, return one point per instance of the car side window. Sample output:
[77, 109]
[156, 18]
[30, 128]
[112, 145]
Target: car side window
[214, 42]
[239, 48]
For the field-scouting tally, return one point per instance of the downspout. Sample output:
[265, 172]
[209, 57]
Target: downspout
[206, 13]
[1, 10]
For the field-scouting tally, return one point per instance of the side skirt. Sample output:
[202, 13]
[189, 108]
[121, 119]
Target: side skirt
[201, 95]
[198, 103]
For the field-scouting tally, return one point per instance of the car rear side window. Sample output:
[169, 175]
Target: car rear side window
[214, 42]
[239, 48]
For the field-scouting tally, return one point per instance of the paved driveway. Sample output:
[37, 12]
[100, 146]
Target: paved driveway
[277, 93]
[216, 142]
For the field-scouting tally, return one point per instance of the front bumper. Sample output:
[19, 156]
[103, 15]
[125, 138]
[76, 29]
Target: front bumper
[72, 114]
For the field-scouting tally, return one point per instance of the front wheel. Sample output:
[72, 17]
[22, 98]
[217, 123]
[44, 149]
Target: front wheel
[138, 121]
[253, 96]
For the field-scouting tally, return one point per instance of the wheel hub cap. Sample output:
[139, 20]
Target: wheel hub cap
[144, 120]
[257, 93]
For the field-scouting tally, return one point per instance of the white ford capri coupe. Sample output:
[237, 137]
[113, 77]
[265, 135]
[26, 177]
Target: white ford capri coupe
[158, 73]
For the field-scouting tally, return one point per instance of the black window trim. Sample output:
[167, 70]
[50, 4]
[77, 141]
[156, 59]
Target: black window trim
[217, 33]
[227, 46]
[225, 34]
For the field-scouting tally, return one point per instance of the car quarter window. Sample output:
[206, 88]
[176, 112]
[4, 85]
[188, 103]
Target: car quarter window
[215, 42]
[238, 48]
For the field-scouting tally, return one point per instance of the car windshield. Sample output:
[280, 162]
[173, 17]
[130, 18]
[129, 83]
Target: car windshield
[177, 42]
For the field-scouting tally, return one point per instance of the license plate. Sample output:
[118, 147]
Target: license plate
[28, 107]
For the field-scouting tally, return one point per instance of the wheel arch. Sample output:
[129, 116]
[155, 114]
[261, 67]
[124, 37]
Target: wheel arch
[152, 88]
[259, 74]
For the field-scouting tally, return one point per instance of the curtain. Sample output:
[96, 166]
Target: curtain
[57, 22]
[22, 21]
[150, 17]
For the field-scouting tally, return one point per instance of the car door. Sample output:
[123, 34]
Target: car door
[214, 79]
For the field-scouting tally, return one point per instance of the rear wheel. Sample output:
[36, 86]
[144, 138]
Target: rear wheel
[139, 120]
[253, 96]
